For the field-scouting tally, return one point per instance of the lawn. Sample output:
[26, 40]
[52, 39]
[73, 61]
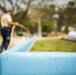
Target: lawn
[54, 45]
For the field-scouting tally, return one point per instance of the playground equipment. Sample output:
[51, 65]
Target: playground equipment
[19, 61]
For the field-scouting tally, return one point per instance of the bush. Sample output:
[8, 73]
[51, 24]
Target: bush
[47, 26]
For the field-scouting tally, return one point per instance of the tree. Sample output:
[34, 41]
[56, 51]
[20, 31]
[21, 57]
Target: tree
[47, 26]
[68, 15]
[17, 6]
[38, 12]
[22, 8]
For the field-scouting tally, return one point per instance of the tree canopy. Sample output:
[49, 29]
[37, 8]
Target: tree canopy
[39, 13]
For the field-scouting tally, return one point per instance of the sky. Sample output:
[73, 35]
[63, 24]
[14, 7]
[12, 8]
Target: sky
[57, 2]
[62, 1]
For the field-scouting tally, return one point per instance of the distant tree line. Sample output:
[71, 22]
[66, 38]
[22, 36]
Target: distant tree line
[38, 16]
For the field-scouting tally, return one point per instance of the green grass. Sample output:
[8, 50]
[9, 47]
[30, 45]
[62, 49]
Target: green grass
[54, 46]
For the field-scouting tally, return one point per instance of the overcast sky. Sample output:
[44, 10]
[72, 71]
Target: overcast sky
[61, 2]
[58, 2]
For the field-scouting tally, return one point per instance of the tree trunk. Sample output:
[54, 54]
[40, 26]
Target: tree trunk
[66, 28]
[39, 27]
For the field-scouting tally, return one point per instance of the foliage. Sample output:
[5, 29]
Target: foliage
[27, 13]
[29, 25]
[67, 16]
[47, 26]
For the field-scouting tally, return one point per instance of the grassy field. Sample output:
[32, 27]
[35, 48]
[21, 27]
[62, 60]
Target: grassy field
[54, 46]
